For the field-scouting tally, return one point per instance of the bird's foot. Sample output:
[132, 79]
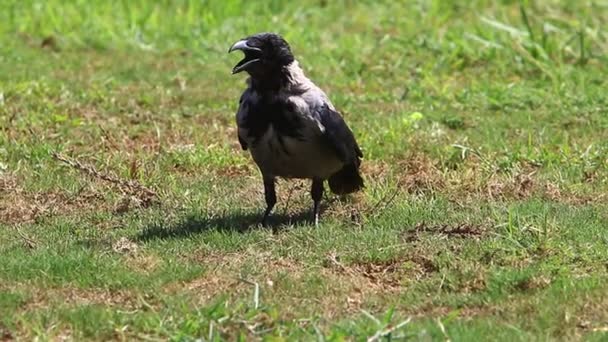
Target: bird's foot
[316, 214]
[264, 222]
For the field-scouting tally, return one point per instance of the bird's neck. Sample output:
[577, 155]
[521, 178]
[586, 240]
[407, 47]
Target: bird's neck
[287, 78]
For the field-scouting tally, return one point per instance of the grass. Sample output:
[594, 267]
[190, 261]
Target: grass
[484, 132]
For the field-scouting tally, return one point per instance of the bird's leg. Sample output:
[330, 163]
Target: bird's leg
[316, 192]
[271, 198]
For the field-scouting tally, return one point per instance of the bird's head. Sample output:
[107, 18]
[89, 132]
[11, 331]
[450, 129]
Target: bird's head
[264, 54]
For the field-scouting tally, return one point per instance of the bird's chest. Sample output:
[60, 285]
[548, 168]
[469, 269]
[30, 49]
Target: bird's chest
[284, 141]
[302, 156]
[274, 147]
[260, 116]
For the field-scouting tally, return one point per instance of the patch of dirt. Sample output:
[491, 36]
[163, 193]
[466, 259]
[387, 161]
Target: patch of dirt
[553, 192]
[476, 284]
[41, 298]
[235, 171]
[522, 186]
[119, 298]
[144, 263]
[125, 246]
[591, 314]
[5, 334]
[423, 266]
[63, 335]
[225, 276]
[420, 175]
[339, 289]
[534, 283]
[385, 275]
[375, 169]
[344, 289]
[382, 276]
[136, 259]
[50, 42]
[19, 206]
[519, 186]
[211, 286]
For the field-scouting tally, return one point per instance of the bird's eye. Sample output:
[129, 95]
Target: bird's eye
[254, 43]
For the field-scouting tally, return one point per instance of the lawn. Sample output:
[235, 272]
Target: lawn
[129, 211]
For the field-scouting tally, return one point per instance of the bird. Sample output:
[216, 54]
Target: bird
[289, 125]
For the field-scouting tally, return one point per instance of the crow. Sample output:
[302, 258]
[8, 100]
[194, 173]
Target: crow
[289, 125]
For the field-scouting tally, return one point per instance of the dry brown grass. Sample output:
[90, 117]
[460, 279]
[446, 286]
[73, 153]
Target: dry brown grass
[20, 206]
[419, 174]
[463, 230]
[348, 287]
[39, 297]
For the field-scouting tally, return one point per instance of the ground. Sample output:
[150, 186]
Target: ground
[128, 210]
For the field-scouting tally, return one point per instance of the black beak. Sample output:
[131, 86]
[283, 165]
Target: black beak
[252, 55]
[243, 46]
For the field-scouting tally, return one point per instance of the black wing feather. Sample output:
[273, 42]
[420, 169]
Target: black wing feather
[242, 142]
[339, 136]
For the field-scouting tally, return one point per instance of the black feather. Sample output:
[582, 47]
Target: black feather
[243, 143]
[339, 137]
[346, 181]
[264, 113]
[342, 140]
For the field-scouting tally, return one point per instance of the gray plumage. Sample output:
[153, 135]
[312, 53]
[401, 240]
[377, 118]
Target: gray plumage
[290, 126]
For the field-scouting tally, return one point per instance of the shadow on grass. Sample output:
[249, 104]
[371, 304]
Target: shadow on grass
[241, 222]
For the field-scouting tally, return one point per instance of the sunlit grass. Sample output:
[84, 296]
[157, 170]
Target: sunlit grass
[483, 126]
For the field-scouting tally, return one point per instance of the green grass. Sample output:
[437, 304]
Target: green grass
[483, 126]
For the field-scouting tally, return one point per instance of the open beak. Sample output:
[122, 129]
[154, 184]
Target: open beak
[252, 55]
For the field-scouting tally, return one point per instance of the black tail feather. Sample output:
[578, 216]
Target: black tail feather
[346, 181]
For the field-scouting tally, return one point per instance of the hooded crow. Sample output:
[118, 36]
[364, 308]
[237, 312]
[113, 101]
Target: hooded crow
[289, 125]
